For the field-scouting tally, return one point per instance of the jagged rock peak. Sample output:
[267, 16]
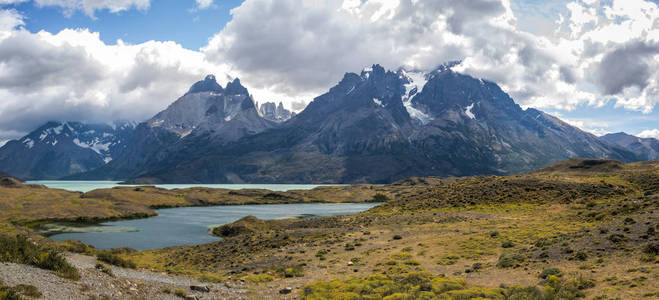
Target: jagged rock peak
[209, 84]
[375, 70]
[235, 88]
[273, 112]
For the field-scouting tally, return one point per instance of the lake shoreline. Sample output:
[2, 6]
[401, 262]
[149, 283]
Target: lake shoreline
[191, 225]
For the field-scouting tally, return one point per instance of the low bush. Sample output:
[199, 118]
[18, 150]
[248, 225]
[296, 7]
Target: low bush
[290, 271]
[115, 260]
[507, 244]
[104, 268]
[581, 255]
[550, 271]
[27, 290]
[21, 251]
[180, 293]
[380, 198]
[510, 260]
[259, 278]
[15, 293]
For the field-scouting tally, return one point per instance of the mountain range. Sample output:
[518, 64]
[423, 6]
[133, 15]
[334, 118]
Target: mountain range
[377, 126]
[645, 148]
[57, 149]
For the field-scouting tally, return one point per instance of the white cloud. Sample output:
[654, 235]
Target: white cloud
[10, 19]
[7, 2]
[649, 133]
[297, 48]
[73, 75]
[204, 4]
[90, 6]
[293, 50]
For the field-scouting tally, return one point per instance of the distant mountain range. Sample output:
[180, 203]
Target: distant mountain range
[645, 148]
[56, 149]
[377, 126]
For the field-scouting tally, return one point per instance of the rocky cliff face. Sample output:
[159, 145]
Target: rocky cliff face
[275, 113]
[379, 126]
[646, 148]
[207, 116]
[59, 149]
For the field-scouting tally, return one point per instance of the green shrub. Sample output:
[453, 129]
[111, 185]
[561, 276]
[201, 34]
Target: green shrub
[581, 255]
[180, 293]
[115, 260]
[21, 251]
[104, 268]
[651, 249]
[397, 237]
[14, 293]
[510, 260]
[8, 294]
[507, 244]
[617, 238]
[380, 198]
[259, 278]
[550, 271]
[210, 277]
[290, 271]
[27, 290]
[477, 266]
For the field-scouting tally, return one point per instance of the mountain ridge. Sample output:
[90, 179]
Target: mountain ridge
[377, 126]
[646, 148]
[58, 149]
[374, 127]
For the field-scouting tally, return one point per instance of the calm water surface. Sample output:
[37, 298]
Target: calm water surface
[86, 186]
[190, 225]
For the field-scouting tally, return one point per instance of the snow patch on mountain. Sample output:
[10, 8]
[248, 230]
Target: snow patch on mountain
[468, 111]
[415, 82]
[417, 114]
[378, 102]
[29, 143]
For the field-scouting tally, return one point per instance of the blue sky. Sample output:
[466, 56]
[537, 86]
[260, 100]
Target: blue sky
[545, 54]
[165, 20]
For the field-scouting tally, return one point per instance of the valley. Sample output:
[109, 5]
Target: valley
[579, 228]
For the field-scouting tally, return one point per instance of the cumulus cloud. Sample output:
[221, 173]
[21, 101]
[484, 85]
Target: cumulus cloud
[292, 50]
[628, 66]
[73, 75]
[649, 133]
[297, 48]
[10, 19]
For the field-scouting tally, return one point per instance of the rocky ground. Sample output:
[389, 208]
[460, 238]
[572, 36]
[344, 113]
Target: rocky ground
[123, 284]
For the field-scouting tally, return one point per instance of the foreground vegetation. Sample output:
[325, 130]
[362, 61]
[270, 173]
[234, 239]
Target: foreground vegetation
[580, 228]
[21, 251]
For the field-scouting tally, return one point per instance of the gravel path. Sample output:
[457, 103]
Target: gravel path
[94, 284]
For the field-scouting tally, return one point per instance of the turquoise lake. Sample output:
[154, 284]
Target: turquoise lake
[190, 225]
